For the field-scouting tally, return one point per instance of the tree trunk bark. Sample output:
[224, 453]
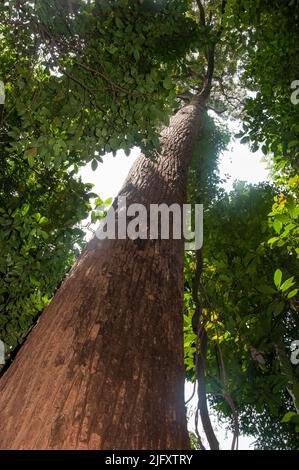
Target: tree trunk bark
[103, 367]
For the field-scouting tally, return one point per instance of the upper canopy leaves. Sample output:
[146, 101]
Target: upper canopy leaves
[103, 68]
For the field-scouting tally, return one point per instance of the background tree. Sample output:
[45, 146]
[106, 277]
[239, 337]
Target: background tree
[245, 315]
[268, 68]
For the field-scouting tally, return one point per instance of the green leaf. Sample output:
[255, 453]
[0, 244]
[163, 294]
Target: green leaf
[119, 23]
[94, 164]
[239, 135]
[277, 226]
[287, 284]
[136, 54]
[108, 201]
[93, 217]
[167, 83]
[25, 209]
[278, 308]
[292, 293]
[288, 416]
[245, 139]
[31, 154]
[98, 202]
[264, 289]
[44, 234]
[273, 240]
[277, 278]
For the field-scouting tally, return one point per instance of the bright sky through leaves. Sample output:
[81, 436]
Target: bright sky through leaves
[237, 162]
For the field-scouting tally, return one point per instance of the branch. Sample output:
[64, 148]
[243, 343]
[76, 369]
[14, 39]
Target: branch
[202, 392]
[202, 447]
[192, 395]
[217, 111]
[231, 404]
[223, 5]
[200, 362]
[47, 35]
[202, 15]
[228, 399]
[84, 87]
[233, 101]
[225, 393]
[209, 77]
[210, 55]
[196, 318]
[107, 79]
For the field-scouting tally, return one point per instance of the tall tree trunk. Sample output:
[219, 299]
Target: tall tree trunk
[103, 367]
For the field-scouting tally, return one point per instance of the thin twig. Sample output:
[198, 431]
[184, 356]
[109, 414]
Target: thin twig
[192, 395]
[202, 447]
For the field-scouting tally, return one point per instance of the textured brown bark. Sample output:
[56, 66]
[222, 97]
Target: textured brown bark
[103, 367]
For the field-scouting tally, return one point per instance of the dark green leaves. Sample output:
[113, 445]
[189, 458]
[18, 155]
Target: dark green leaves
[167, 83]
[94, 164]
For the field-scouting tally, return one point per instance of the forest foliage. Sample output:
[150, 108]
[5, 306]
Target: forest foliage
[83, 79]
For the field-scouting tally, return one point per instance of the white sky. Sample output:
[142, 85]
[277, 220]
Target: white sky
[237, 163]
[110, 175]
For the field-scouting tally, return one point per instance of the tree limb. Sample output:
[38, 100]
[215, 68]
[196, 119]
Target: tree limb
[202, 15]
[202, 392]
[200, 361]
